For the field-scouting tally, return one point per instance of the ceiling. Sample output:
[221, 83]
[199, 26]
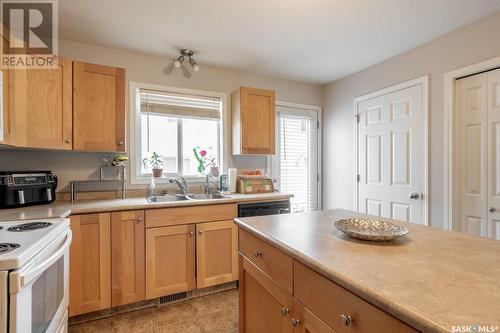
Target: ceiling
[314, 41]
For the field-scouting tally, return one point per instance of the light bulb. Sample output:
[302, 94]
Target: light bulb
[196, 67]
[177, 63]
[193, 63]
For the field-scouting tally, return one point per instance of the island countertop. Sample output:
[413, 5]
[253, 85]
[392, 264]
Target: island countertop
[431, 279]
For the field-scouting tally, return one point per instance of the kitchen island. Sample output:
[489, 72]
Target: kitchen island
[429, 281]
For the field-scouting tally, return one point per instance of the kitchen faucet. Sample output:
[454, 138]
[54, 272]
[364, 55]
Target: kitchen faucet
[182, 183]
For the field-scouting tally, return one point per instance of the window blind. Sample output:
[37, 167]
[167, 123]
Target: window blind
[180, 105]
[297, 164]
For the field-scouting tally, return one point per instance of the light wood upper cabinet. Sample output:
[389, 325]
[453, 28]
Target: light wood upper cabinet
[43, 107]
[216, 253]
[5, 120]
[253, 121]
[170, 260]
[264, 306]
[90, 263]
[128, 275]
[98, 107]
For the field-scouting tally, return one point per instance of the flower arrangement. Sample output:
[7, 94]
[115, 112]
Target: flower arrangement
[205, 162]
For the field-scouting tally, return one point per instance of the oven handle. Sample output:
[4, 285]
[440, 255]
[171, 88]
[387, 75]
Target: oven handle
[21, 279]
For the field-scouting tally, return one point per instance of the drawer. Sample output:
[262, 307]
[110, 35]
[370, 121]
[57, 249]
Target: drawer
[186, 215]
[270, 260]
[329, 302]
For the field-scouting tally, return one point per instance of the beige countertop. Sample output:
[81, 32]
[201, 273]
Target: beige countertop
[64, 209]
[431, 279]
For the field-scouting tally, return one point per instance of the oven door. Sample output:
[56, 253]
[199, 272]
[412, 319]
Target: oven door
[39, 291]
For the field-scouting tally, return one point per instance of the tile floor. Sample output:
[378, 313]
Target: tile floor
[215, 313]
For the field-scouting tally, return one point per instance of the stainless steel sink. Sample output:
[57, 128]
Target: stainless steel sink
[167, 198]
[205, 196]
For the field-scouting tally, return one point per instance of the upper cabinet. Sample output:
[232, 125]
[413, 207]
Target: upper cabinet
[42, 102]
[98, 107]
[5, 111]
[77, 106]
[253, 121]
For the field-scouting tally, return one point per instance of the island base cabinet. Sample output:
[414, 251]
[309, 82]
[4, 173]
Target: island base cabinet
[216, 253]
[127, 257]
[264, 306]
[170, 260]
[90, 263]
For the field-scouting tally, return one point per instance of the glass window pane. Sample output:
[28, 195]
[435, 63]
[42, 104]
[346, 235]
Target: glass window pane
[162, 134]
[202, 134]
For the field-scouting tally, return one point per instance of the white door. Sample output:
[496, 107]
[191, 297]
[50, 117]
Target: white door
[295, 164]
[391, 154]
[472, 138]
[478, 134]
[494, 163]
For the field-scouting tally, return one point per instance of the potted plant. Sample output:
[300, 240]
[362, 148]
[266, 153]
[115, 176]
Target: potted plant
[156, 164]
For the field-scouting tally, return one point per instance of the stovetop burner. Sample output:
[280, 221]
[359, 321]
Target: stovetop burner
[29, 226]
[7, 247]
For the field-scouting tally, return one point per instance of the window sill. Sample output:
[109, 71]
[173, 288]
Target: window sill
[144, 180]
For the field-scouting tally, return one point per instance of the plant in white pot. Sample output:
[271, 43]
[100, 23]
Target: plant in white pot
[155, 162]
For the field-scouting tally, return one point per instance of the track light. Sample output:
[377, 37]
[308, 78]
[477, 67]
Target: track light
[189, 54]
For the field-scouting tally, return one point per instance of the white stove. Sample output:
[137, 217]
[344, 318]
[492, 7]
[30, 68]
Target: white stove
[34, 274]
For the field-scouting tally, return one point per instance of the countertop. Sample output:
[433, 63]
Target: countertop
[431, 279]
[64, 209]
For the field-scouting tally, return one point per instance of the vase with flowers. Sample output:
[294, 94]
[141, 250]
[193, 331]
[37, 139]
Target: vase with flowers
[207, 166]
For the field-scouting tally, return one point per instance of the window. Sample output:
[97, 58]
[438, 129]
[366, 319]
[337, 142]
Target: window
[295, 165]
[172, 125]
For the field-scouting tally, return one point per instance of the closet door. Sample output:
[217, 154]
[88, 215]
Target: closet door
[494, 154]
[472, 147]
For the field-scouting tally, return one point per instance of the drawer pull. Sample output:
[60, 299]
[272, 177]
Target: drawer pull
[295, 322]
[346, 320]
[257, 254]
[139, 219]
[284, 311]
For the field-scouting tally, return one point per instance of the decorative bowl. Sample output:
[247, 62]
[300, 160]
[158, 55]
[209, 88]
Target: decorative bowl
[370, 229]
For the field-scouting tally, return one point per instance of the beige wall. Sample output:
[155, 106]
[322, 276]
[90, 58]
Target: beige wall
[460, 48]
[149, 69]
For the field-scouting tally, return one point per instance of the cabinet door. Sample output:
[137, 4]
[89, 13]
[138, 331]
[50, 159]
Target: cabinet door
[98, 107]
[42, 100]
[304, 321]
[5, 113]
[264, 306]
[257, 121]
[170, 260]
[127, 257]
[216, 253]
[90, 263]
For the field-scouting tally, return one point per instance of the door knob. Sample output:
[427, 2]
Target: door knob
[295, 322]
[346, 320]
[492, 209]
[68, 140]
[414, 196]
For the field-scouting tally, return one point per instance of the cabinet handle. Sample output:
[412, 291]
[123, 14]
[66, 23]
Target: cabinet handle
[284, 311]
[200, 232]
[68, 140]
[346, 320]
[257, 254]
[120, 143]
[295, 322]
[191, 233]
[139, 219]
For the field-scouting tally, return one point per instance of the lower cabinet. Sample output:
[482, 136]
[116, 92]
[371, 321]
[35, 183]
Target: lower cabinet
[90, 263]
[128, 273]
[304, 321]
[216, 253]
[264, 306]
[170, 260]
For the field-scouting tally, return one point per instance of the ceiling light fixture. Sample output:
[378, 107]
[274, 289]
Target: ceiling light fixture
[186, 53]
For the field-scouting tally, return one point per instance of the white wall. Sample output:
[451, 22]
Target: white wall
[460, 48]
[146, 68]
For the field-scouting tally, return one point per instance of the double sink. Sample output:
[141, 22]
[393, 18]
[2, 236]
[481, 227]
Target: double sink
[183, 197]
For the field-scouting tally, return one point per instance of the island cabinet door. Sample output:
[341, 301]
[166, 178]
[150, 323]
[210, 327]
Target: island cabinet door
[170, 260]
[264, 306]
[128, 267]
[304, 321]
[216, 253]
[90, 264]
